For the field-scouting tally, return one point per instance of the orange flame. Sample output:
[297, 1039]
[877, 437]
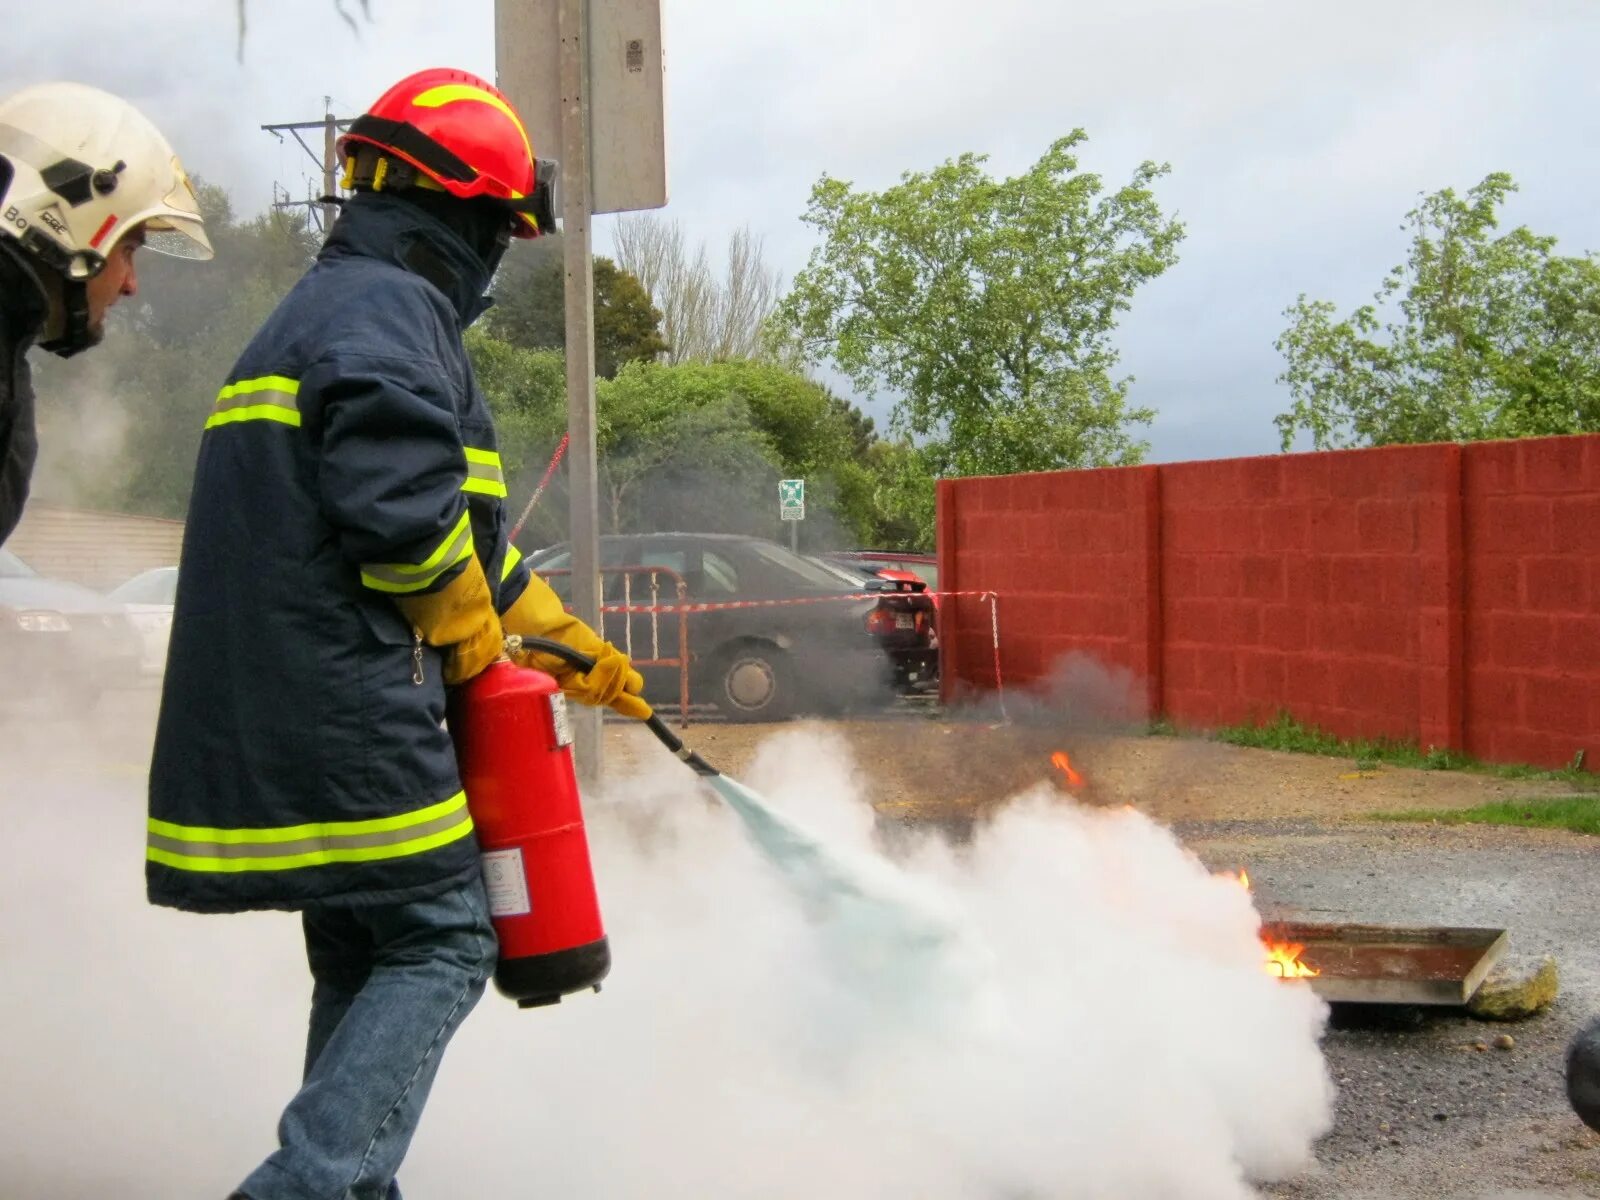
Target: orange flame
[1283, 961]
[1064, 764]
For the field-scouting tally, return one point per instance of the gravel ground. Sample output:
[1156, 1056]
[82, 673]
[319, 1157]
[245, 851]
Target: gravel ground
[1421, 1114]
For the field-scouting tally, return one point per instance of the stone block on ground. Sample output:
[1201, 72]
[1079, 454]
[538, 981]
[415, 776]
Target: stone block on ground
[1512, 994]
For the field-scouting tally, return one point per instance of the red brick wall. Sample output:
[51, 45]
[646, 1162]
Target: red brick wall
[1073, 558]
[1531, 512]
[1441, 594]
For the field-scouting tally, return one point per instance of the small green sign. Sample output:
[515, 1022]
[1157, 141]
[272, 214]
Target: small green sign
[792, 499]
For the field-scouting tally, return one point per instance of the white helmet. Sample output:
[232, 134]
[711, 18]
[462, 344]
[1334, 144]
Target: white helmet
[79, 168]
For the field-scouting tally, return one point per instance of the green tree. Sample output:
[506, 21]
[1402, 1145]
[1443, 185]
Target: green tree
[527, 393]
[530, 310]
[678, 448]
[1474, 336]
[987, 305]
[166, 352]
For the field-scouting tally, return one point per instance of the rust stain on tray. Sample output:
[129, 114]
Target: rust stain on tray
[1383, 964]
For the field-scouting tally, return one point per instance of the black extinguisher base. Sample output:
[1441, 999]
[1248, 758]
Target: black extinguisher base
[540, 979]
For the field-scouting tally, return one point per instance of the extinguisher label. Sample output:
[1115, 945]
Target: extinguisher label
[506, 883]
[558, 711]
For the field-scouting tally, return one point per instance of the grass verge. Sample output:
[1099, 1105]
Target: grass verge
[1580, 814]
[1285, 733]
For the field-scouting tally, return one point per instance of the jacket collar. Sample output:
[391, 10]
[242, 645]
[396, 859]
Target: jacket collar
[23, 308]
[388, 229]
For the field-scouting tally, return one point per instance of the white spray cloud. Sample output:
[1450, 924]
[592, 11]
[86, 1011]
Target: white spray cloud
[1100, 1027]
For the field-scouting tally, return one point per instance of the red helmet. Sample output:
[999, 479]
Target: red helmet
[459, 132]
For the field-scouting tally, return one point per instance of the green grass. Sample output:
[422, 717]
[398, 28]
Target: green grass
[1581, 814]
[1285, 733]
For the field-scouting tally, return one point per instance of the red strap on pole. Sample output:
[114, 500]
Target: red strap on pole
[549, 473]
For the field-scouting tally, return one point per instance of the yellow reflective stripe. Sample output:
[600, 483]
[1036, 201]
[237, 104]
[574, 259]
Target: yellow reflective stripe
[267, 398]
[409, 577]
[484, 473]
[315, 829]
[311, 858]
[254, 412]
[513, 557]
[199, 848]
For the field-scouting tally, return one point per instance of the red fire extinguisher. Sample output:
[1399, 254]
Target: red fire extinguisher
[513, 746]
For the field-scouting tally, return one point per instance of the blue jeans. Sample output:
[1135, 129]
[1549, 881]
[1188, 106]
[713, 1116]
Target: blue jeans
[391, 983]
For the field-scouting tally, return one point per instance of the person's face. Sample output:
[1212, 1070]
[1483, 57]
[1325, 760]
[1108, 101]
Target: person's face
[116, 280]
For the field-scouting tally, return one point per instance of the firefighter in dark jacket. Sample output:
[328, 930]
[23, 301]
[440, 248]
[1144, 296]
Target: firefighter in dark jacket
[85, 180]
[345, 561]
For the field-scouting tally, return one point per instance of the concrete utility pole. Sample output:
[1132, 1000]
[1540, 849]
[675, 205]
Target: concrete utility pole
[323, 212]
[330, 163]
[588, 77]
[582, 462]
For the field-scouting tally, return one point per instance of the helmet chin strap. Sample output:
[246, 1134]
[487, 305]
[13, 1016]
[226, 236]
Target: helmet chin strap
[75, 335]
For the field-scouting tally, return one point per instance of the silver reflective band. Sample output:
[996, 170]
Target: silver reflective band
[408, 577]
[235, 850]
[484, 474]
[269, 398]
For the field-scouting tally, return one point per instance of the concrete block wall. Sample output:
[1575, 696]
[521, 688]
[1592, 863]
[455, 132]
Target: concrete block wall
[1531, 513]
[1443, 594]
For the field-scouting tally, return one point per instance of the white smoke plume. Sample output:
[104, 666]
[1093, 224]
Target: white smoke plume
[1105, 1029]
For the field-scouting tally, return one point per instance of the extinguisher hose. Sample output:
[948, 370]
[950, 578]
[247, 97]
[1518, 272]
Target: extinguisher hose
[583, 662]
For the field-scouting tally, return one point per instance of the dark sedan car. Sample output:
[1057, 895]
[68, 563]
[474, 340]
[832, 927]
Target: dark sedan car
[754, 663]
[61, 645]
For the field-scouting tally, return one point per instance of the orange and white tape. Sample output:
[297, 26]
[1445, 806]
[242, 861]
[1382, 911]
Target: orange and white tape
[990, 598]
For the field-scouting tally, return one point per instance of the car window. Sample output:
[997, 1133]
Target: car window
[152, 587]
[661, 556]
[796, 567]
[613, 553]
[852, 573]
[12, 567]
[721, 576]
[925, 571]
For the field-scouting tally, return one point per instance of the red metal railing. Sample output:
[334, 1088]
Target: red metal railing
[641, 630]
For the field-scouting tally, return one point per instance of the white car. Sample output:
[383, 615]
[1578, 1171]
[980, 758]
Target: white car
[61, 644]
[147, 599]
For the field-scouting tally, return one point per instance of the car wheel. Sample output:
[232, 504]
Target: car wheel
[755, 681]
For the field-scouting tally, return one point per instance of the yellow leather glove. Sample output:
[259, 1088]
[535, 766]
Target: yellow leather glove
[460, 619]
[613, 683]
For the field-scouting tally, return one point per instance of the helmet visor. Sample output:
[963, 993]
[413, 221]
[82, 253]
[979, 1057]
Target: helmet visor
[175, 226]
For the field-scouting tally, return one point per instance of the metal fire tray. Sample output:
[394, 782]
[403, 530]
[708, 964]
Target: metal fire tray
[1389, 964]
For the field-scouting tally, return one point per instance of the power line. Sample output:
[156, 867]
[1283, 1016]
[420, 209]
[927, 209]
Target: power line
[323, 209]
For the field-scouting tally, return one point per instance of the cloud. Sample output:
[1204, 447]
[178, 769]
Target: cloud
[1298, 134]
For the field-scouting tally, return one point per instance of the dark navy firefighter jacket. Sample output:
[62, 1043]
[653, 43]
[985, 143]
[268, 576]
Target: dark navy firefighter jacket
[300, 753]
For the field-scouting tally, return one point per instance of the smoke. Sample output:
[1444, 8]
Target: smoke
[83, 428]
[1103, 1028]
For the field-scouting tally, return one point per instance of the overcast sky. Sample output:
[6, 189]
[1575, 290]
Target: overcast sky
[1298, 133]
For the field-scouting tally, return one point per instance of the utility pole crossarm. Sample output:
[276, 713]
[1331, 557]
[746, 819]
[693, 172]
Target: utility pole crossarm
[324, 211]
